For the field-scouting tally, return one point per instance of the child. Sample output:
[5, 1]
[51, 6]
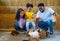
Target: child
[29, 17]
[20, 20]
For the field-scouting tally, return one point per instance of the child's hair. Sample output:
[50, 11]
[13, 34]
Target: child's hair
[18, 14]
[29, 5]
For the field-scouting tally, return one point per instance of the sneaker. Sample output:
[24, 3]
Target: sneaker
[51, 35]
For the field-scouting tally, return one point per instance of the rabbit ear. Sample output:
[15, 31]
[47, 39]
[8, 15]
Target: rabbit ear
[30, 33]
[31, 29]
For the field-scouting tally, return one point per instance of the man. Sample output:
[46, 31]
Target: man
[46, 15]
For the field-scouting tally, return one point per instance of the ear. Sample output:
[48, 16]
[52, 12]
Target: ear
[38, 29]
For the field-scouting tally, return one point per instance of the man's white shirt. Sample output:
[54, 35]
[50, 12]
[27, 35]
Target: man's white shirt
[46, 15]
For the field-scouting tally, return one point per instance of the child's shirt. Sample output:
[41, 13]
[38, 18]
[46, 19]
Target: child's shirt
[21, 21]
[29, 15]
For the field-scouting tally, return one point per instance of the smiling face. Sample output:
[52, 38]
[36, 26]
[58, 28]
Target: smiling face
[41, 8]
[21, 14]
[29, 9]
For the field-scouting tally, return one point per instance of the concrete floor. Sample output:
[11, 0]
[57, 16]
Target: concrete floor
[6, 36]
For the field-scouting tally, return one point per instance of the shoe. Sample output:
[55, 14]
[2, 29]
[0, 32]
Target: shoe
[51, 35]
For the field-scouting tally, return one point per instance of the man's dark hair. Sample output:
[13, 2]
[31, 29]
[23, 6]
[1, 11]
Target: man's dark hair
[41, 4]
[29, 5]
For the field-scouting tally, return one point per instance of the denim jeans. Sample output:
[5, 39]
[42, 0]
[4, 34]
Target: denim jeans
[44, 25]
[17, 28]
[32, 23]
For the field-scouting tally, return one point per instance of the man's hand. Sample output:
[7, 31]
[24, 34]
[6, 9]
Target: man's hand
[37, 20]
[55, 14]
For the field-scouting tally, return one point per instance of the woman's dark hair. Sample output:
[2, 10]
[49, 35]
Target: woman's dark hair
[18, 14]
[29, 5]
[41, 4]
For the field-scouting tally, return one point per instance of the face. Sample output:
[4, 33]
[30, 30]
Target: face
[41, 8]
[21, 13]
[29, 8]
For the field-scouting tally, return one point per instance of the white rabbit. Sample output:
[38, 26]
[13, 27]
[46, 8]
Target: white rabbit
[34, 34]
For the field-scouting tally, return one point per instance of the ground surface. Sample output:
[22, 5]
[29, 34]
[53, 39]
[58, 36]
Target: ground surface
[6, 36]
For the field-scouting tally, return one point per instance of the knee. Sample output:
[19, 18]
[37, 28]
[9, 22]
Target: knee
[30, 25]
[40, 23]
[16, 24]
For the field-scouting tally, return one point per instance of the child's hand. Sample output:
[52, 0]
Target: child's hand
[33, 15]
[27, 17]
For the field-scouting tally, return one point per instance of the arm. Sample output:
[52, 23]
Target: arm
[26, 17]
[37, 20]
[55, 14]
[22, 23]
[37, 17]
[34, 15]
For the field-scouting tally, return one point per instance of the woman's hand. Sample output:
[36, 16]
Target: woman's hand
[21, 26]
